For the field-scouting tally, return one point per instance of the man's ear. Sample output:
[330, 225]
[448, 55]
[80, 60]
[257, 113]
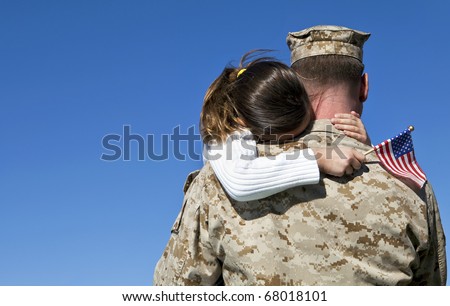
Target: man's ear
[364, 89]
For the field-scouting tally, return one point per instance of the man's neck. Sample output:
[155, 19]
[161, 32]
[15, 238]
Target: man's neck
[334, 100]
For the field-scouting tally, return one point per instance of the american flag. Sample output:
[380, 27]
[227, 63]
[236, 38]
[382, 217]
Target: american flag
[397, 155]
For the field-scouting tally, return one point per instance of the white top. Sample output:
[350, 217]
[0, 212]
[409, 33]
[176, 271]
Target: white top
[247, 177]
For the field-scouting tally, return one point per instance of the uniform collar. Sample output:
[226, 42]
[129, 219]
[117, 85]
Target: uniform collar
[322, 125]
[324, 128]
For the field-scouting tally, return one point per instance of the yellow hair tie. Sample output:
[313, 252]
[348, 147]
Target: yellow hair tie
[241, 72]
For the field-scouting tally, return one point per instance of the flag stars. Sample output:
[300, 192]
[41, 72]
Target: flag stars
[402, 144]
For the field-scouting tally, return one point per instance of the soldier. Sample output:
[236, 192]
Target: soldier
[368, 228]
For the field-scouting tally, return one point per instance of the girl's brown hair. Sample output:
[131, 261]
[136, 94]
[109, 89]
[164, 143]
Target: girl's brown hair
[266, 98]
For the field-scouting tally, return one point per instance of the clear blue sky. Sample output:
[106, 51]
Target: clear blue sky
[72, 72]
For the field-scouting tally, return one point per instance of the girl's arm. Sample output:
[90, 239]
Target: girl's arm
[247, 177]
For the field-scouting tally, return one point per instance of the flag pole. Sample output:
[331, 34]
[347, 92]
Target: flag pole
[410, 128]
[369, 151]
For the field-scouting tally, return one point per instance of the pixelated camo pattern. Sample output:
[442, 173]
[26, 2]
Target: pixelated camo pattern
[367, 229]
[326, 40]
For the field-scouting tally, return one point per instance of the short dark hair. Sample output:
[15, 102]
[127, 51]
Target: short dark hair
[327, 70]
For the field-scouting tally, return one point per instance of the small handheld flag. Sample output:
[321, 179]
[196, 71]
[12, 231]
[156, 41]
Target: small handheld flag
[397, 156]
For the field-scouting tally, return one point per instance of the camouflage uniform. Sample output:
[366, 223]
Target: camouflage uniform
[364, 229]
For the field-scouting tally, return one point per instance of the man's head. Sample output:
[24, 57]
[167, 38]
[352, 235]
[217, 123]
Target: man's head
[329, 61]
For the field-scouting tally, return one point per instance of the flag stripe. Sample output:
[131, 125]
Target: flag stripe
[387, 160]
[416, 166]
[412, 173]
[410, 164]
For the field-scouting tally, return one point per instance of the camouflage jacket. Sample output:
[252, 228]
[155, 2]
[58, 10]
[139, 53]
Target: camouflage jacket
[365, 229]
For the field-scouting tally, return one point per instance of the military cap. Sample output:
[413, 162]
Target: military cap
[326, 40]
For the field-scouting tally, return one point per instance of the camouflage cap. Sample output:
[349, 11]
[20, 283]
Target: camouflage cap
[324, 40]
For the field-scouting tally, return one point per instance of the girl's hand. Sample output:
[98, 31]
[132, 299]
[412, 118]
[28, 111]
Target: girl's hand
[337, 160]
[352, 126]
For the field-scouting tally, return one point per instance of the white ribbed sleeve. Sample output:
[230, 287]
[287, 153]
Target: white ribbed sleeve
[247, 177]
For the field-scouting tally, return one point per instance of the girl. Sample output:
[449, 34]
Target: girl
[263, 102]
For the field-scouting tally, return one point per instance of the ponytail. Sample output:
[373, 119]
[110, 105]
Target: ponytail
[218, 118]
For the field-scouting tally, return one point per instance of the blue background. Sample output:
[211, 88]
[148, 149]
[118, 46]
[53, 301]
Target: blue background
[72, 72]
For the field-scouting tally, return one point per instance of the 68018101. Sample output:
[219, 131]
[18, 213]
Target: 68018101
[295, 296]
